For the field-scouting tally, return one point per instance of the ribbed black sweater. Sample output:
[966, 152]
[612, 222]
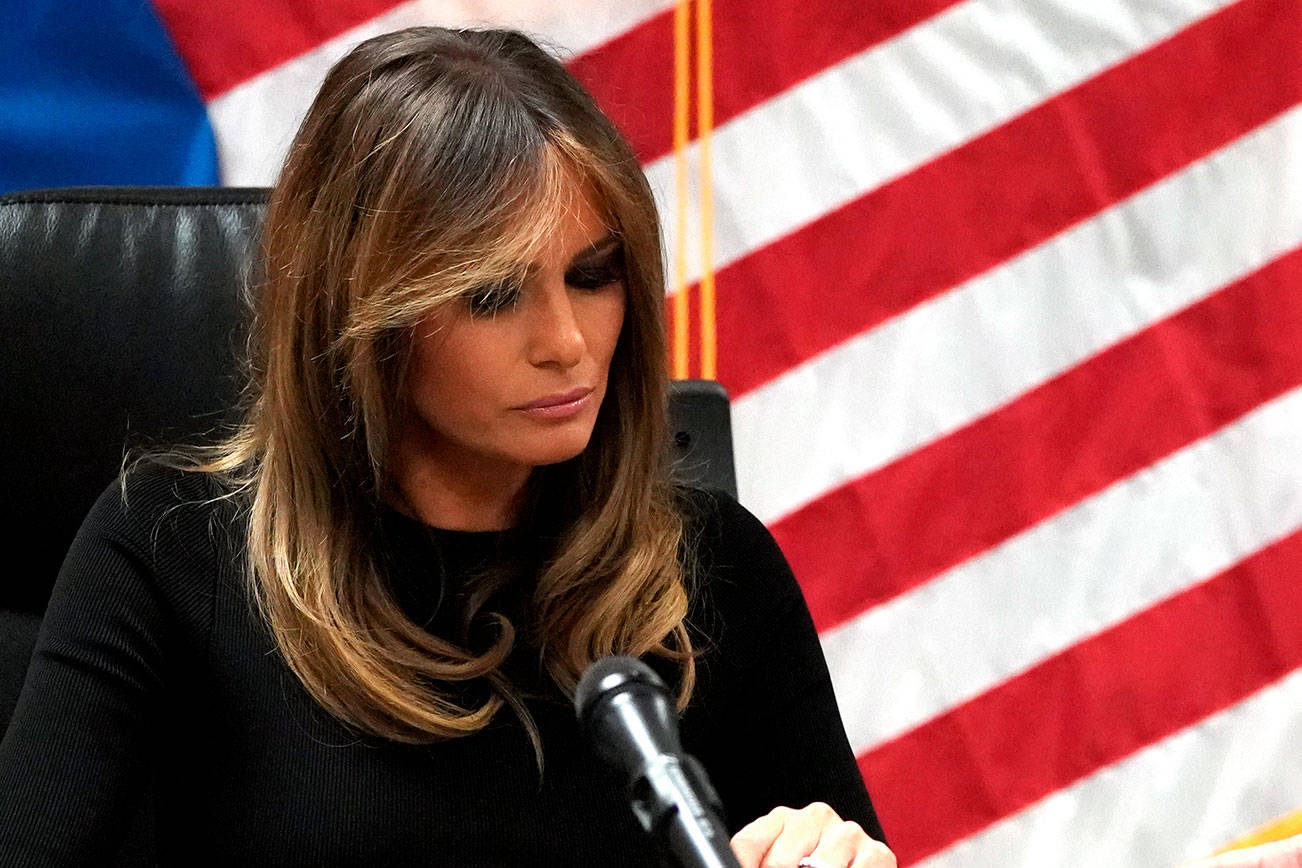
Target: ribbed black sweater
[152, 674]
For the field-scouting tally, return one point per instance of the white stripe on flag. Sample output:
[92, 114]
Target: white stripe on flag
[887, 110]
[1175, 800]
[256, 121]
[945, 363]
[1171, 526]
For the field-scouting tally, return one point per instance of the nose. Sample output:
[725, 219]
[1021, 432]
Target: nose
[556, 339]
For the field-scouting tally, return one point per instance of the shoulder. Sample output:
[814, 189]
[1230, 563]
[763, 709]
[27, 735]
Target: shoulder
[717, 516]
[716, 525]
[161, 512]
[164, 485]
[733, 560]
[146, 561]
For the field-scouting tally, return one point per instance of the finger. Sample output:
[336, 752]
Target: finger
[838, 845]
[874, 854]
[800, 835]
[752, 842]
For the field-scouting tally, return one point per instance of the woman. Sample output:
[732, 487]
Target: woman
[348, 634]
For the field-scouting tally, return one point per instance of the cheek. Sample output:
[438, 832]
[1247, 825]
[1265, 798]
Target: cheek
[427, 385]
[611, 327]
[450, 379]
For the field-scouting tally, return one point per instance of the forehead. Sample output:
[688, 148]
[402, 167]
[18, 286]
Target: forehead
[572, 218]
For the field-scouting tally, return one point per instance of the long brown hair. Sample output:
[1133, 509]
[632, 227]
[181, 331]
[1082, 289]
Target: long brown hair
[430, 163]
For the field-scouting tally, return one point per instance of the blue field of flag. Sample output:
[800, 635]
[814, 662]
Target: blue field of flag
[93, 92]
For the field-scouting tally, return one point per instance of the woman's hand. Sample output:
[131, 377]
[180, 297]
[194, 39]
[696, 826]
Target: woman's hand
[813, 836]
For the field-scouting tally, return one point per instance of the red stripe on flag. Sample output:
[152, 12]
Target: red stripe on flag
[1125, 408]
[1008, 190]
[228, 42]
[632, 79]
[1161, 671]
[632, 75]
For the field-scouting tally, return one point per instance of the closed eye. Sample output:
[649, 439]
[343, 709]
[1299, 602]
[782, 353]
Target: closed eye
[489, 298]
[602, 269]
[602, 265]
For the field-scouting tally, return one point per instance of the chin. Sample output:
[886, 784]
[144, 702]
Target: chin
[561, 449]
[556, 456]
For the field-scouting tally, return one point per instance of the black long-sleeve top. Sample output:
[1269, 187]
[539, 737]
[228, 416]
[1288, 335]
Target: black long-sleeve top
[153, 674]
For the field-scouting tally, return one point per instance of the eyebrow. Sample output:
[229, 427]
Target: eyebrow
[598, 249]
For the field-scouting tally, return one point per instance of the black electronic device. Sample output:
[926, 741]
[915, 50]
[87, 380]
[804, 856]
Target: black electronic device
[628, 716]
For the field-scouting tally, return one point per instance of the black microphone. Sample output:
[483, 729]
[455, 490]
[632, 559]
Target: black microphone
[628, 717]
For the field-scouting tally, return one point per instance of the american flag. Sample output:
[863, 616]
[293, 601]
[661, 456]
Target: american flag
[1008, 297]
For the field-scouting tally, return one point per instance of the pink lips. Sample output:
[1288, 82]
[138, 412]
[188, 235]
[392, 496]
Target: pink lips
[561, 405]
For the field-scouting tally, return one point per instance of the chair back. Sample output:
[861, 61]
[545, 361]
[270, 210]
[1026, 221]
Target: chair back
[122, 324]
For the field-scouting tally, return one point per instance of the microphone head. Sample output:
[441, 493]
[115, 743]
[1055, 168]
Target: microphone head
[609, 675]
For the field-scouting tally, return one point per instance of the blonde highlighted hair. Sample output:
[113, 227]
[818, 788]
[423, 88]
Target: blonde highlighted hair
[431, 163]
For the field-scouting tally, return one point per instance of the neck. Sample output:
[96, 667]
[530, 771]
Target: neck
[446, 488]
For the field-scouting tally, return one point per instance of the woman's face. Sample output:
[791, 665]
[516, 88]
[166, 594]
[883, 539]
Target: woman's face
[513, 378]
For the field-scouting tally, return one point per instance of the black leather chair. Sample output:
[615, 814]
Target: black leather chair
[122, 319]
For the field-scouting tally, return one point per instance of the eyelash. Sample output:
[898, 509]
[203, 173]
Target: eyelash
[493, 297]
[595, 276]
